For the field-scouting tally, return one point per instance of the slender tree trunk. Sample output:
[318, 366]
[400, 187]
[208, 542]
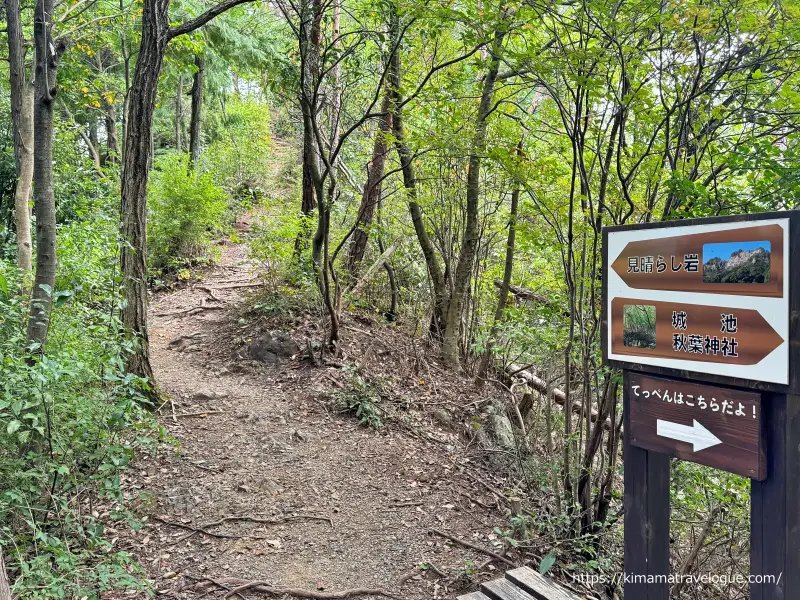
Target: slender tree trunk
[336, 93]
[466, 258]
[93, 153]
[438, 281]
[89, 138]
[5, 588]
[126, 61]
[502, 297]
[112, 135]
[142, 97]
[179, 114]
[309, 200]
[22, 121]
[394, 288]
[372, 190]
[310, 40]
[48, 54]
[197, 108]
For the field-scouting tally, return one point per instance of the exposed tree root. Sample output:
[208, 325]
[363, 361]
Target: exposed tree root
[472, 546]
[264, 587]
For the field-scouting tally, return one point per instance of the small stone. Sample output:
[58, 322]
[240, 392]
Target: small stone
[272, 346]
[503, 431]
[443, 417]
[269, 485]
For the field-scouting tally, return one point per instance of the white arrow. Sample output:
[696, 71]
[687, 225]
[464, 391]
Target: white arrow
[697, 435]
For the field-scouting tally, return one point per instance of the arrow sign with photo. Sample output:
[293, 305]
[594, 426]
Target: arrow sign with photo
[693, 332]
[742, 262]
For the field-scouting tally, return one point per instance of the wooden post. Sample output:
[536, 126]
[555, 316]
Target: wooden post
[775, 505]
[646, 518]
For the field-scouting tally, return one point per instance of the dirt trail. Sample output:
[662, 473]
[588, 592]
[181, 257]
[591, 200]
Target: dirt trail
[348, 507]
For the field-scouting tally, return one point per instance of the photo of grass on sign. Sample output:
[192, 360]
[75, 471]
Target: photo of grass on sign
[736, 262]
[639, 325]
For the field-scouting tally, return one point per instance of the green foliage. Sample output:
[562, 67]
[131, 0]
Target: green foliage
[71, 422]
[238, 157]
[273, 244]
[639, 325]
[547, 563]
[187, 208]
[79, 192]
[362, 399]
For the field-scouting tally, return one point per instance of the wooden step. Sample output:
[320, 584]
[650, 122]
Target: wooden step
[521, 584]
[503, 589]
[538, 586]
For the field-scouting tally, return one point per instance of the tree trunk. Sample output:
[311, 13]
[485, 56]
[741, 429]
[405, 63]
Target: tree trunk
[309, 48]
[141, 104]
[112, 136]
[502, 297]
[197, 108]
[372, 190]
[394, 288]
[336, 92]
[432, 263]
[469, 244]
[126, 61]
[22, 120]
[94, 139]
[93, 153]
[5, 588]
[179, 114]
[48, 53]
[156, 34]
[89, 138]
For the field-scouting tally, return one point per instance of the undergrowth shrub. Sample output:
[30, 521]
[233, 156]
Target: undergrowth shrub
[71, 421]
[187, 209]
[275, 242]
[362, 399]
[239, 153]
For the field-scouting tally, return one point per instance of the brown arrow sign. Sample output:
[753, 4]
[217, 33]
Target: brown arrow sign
[693, 332]
[714, 426]
[706, 262]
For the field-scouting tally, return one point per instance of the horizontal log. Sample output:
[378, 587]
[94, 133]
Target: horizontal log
[524, 293]
[540, 385]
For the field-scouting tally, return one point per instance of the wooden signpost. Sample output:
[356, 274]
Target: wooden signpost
[703, 316]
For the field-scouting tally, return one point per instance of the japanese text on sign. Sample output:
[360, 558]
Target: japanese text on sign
[708, 344]
[649, 264]
[723, 405]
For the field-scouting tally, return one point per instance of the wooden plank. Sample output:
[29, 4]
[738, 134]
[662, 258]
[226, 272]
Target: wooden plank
[538, 586]
[503, 589]
[474, 596]
[646, 516]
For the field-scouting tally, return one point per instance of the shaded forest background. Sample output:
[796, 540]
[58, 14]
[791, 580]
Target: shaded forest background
[445, 166]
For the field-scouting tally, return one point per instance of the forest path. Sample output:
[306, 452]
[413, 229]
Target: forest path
[347, 507]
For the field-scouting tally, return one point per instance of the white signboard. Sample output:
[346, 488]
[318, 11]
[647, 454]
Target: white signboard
[705, 298]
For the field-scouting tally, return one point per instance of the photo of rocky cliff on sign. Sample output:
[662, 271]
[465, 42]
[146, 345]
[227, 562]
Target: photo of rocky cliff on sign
[736, 262]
